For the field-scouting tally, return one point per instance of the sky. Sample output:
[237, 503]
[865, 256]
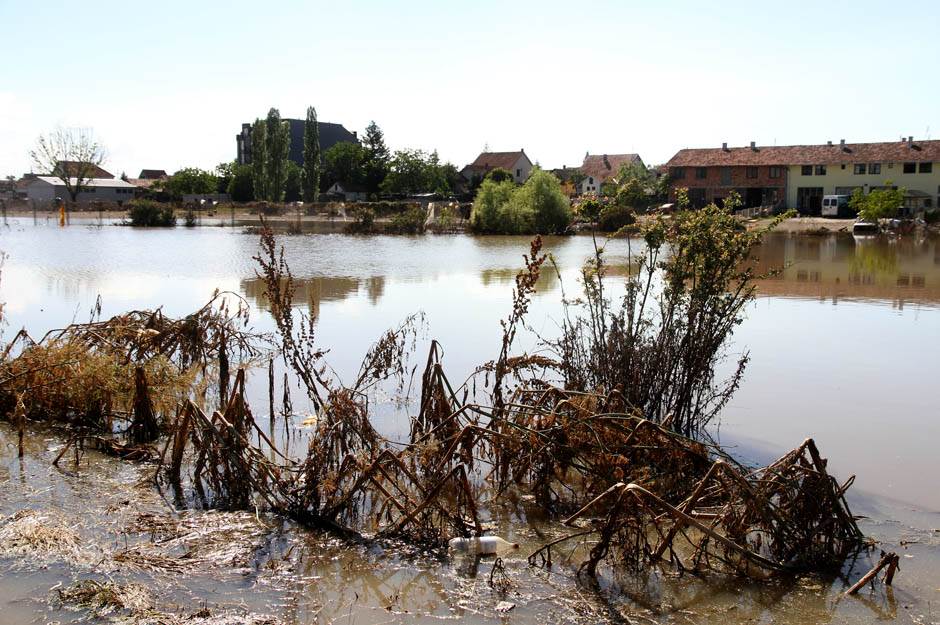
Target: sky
[167, 85]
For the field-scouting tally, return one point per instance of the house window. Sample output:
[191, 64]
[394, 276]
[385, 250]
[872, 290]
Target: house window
[701, 173]
[518, 173]
[774, 172]
[725, 175]
[926, 168]
[820, 170]
[591, 180]
[751, 172]
[874, 168]
[928, 202]
[910, 168]
[859, 168]
[678, 173]
[807, 170]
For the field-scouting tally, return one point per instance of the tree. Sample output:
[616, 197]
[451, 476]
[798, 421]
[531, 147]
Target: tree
[293, 185]
[537, 206]
[259, 160]
[311, 172]
[343, 163]
[224, 173]
[881, 203]
[377, 158]
[277, 150]
[191, 180]
[73, 154]
[499, 174]
[241, 187]
[416, 171]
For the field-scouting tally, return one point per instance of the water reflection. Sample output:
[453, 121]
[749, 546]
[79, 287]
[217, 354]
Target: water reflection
[843, 267]
[314, 291]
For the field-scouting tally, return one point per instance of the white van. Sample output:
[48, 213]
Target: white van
[836, 206]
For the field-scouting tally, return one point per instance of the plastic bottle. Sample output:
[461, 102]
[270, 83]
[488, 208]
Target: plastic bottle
[483, 545]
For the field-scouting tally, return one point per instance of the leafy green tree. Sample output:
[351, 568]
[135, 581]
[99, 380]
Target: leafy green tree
[539, 205]
[293, 184]
[416, 171]
[277, 149]
[590, 209]
[490, 198]
[499, 174]
[224, 173]
[259, 159]
[344, 163]
[311, 173]
[377, 158]
[878, 204]
[241, 187]
[542, 194]
[191, 180]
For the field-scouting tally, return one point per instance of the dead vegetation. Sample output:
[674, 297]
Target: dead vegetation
[604, 435]
[42, 537]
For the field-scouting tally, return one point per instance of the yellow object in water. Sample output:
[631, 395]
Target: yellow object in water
[61, 213]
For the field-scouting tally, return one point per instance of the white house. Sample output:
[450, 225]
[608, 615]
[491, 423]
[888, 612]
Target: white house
[47, 188]
[597, 168]
[517, 163]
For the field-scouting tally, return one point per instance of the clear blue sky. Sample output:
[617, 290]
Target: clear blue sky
[166, 85]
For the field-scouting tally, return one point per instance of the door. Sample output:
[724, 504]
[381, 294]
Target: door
[809, 200]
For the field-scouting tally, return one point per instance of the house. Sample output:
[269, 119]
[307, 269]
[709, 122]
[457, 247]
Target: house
[598, 168]
[516, 163]
[148, 178]
[74, 169]
[349, 193]
[569, 177]
[798, 176]
[47, 188]
[330, 135]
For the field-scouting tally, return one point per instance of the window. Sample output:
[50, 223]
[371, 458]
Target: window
[701, 173]
[518, 173]
[725, 175]
[774, 172]
[874, 168]
[751, 172]
[820, 170]
[591, 180]
[926, 168]
[910, 168]
[859, 168]
[678, 173]
[928, 202]
[807, 170]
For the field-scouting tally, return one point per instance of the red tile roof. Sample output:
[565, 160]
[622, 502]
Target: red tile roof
[892, 152]
[71, 169]
[602, 166]
[491, 160]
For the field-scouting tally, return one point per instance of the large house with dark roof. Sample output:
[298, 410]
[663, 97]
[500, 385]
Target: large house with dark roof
[798, 176]
[77, 169]
[330, 135]
[517, 163]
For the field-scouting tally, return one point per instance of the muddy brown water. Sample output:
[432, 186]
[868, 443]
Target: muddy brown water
[843, 348]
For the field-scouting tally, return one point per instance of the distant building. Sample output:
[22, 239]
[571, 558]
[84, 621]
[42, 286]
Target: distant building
[153, 174]
[47, 188]
[517, 163]
[72, 169]
[598, 168]
[798, 176]
[330, 135]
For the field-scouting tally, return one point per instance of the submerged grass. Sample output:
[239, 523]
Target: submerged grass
[43, 537]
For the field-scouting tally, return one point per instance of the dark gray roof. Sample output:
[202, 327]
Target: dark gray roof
[330, 135]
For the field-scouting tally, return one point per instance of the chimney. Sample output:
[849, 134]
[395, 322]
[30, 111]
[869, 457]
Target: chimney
[842, 144]
[606, 162]
[356, 134]
[724, 146]
[829, 143]
[754, 145]
[910, 141]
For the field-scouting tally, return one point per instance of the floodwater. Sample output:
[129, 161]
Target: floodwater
[842, 345]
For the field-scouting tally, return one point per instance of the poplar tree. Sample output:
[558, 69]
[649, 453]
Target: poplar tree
[378, 157]
[311, 177]
[259, 159]
[277, 148]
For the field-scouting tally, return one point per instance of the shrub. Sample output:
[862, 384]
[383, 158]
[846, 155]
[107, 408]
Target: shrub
[365, 221]
[589, 210]
[410, 222]
[537, 206]
[615, 217]
[484, 216]
[499, 174]
[148, 214]
[932, 217]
